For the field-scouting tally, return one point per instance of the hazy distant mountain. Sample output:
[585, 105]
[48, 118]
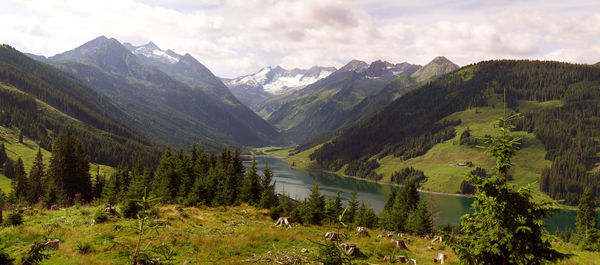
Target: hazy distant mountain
[256, 88]
[323, 105]
[150, 84]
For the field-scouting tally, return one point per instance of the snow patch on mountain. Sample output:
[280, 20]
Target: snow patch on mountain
[150, 50]
[276, 80]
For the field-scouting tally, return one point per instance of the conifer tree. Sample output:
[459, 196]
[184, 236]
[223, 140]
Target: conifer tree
[20, 182]
[419, 221]
[111, 192]
[411, 194]
[390, 200]
[21, 136]
[506, 226]
[3, 155]
[587, 218]
[268, 198]
[164, 184]
[252, 185]
[366, 216]
[315, 206]
[69, 168]
[36, 179]
[9, 168]
[350, 215]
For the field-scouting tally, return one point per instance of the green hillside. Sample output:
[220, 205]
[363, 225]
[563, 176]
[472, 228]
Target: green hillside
[27, 151]
[422, 129]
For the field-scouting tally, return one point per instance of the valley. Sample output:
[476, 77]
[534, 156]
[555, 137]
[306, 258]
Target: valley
[299, 132]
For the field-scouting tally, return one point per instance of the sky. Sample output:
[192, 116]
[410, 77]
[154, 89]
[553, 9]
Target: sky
[239, 37]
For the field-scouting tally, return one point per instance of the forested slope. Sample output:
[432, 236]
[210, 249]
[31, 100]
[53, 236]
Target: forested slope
[414, 123]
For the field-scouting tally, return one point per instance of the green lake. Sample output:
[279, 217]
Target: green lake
[297, 184]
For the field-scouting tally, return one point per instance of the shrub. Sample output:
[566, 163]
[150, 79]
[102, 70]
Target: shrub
[100, 216]
[14, 218]
[83, 247]
[5, 258]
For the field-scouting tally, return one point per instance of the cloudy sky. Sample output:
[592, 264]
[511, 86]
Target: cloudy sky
[236, 37]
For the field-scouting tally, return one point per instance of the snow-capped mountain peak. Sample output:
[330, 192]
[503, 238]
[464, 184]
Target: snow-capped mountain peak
[151, 51]
[277, 80]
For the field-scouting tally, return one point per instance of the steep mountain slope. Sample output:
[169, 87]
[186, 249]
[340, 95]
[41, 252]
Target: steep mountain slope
[426, 117]
[401, 85]
[187, 69]
[353, 91]
[254, 89]
[165, 109]
[42, 102]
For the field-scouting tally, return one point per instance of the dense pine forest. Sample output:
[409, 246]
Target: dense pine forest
[404, 128]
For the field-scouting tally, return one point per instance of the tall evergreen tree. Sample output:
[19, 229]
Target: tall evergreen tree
[69, 168]
[268, 198]
[411, 194]
[36, 179]
[3, 155]
[505, 226]
[350, 215]
[366, 216]
[315, 206]
[252, 185]
[587, 218]
[9, 168]
[111, 192]
[419, 221]
[164, 185]
[20, 183]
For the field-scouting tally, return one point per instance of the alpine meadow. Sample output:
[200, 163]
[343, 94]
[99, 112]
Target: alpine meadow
[299, 132]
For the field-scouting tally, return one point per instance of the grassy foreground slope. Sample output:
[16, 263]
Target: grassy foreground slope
[224, 235]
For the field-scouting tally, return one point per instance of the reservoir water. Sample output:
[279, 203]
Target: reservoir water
[297, 184]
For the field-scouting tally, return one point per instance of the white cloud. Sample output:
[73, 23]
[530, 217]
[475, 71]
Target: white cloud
[235, 37]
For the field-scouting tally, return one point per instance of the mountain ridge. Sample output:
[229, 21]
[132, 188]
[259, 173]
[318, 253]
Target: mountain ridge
[146, 90]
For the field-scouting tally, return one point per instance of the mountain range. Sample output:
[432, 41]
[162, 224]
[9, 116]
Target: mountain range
[349, 93]
[255, 88]
[172, 98]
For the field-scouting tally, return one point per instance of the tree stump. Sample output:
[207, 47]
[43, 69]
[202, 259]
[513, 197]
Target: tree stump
[53, 243]
[442, 257]
[402, 259]
[283, 221]
[400, 244]
[437, 239]
[362, 231]
[110, 209]
[351, 249]
[334, 236]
